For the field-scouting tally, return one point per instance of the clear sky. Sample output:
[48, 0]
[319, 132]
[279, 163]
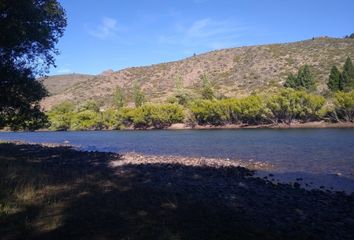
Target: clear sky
[115, 34]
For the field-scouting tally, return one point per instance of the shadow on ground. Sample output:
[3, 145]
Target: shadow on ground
[60, 193]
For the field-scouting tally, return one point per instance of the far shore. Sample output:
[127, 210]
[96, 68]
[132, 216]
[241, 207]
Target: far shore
[183, 126]
[319, 124]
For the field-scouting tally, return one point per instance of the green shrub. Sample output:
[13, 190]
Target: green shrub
[289, 104]
[164, 115]
[152, 115]
[88, 105]
[219, 112]
[344, 106]
[125, 116]
[110, 119]
[86, 120]
[313, 107]
[181, 97]
[252, 109]
[60, 116]
[209, 112]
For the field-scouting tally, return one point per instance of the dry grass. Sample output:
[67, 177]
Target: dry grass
[236, 71]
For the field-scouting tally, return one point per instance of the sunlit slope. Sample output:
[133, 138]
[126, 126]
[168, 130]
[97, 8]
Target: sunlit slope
[233, 72]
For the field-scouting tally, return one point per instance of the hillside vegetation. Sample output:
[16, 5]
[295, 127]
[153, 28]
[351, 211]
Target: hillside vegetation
[233, 72]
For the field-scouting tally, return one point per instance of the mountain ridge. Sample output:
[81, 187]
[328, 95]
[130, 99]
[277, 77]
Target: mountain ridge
[233, 71]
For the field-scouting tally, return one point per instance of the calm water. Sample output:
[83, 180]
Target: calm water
[322, 151]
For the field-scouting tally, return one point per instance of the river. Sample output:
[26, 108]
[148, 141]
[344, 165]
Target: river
[323, 152]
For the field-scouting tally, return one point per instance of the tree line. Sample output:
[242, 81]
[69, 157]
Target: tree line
[296, 102]
[285, 107]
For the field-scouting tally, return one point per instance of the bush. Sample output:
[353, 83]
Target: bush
[110, 119]
[313, 107]
[152, 115]
[288, 105]
[164, 115]
[88, 105]
[125, 116]
[181, 97]
[344, 106]
[219, 112]
[209, 112]
[61, 115]
[87, 120]
[252, 110]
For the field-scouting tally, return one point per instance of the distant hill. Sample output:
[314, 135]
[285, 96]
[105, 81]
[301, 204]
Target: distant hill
[59, 83]
[233, 72]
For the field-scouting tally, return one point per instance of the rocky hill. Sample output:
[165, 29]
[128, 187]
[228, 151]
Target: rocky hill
[60, 83]
[233, 72]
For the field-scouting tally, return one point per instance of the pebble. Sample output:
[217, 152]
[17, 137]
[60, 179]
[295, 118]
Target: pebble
[242, 185]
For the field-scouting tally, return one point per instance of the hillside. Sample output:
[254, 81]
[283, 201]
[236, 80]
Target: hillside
[59, 83]
[233, 72]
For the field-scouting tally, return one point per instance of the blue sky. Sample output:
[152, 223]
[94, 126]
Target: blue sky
[112, 34]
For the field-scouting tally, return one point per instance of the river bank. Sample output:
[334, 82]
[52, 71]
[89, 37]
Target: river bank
[183, 126]
[297, 125]
[57, 192]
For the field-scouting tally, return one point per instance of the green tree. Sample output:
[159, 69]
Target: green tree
[303, 80]
[207, 89]
[181, 95]
[29, 31]
[291, 81]
[119, 100]
[334, 81]
[347, 77]
[138, 95]
[61, 115]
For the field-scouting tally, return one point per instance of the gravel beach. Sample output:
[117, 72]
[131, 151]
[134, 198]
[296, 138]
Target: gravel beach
[57, 192]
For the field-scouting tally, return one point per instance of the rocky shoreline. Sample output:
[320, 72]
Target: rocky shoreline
[182, 126]
[95, 195]
[133, 158]
[320, 124]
